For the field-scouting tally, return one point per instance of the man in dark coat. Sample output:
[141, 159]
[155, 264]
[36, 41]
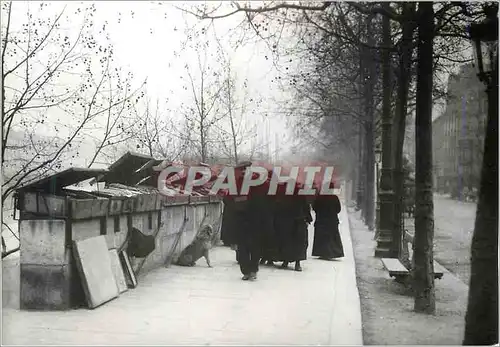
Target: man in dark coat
[251, 226]
[292, 214]
[327, 242]
[248, 239]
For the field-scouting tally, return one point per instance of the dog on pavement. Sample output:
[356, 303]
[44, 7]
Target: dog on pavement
[200, 247]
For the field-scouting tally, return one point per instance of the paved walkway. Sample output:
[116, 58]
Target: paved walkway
[204, 306]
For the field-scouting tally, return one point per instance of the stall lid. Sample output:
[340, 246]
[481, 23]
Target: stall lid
[149, 165]
[145, 174]
[124, 169]
[54, 183]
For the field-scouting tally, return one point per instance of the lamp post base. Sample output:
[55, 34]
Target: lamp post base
[384, 232]
[384, 245]
[359, 196]
[382, 253]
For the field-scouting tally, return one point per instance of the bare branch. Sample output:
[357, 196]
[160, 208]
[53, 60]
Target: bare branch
[375, 10]
[35, 49]
[323, 7]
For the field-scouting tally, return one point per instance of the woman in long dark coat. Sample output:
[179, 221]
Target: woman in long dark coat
[327, 242]
[269, 238]
[267, 203]
[292, 214]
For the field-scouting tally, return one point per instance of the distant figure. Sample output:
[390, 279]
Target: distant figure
[327, 242]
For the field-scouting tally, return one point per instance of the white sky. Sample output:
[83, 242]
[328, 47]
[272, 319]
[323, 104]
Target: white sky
[145, 42]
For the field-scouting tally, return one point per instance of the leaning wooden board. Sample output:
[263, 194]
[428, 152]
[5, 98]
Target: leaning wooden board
[127, 268]
[96, 272]
[117, 267]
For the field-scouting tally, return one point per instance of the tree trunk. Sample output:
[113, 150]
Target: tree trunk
[399, 125]
[423, 271]
[481, 320]
[2, 76]
[203, 144]
[354, 175]
[369, 205]
[361, 135]
[234, 135]
[369, 193]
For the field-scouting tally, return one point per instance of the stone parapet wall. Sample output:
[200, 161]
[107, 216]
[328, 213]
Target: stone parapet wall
[174, 236]
[49, 224]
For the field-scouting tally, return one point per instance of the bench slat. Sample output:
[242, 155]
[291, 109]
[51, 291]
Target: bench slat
[394, 266]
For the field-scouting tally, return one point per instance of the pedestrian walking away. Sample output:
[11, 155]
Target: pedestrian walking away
[251, 225]
[327, 242]
[292, 213]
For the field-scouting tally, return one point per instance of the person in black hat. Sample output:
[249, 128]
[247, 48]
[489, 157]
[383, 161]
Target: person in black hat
[249, 232]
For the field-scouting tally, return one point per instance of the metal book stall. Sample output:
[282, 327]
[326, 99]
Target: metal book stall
[84, 245]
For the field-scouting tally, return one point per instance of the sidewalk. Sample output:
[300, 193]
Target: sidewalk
[201, 305]
[388, 307]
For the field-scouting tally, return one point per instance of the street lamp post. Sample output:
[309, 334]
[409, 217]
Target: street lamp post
[385, 247]
[481, 320]
[378, 158]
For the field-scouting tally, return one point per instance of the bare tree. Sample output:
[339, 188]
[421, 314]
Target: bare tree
[118, 102]
[52, 82]
[424, 208]
[57, 86]
[154, 131]
[206, 86]
[237, 108]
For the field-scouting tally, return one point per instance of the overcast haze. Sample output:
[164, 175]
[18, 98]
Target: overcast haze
[155, 41]
[148, 40]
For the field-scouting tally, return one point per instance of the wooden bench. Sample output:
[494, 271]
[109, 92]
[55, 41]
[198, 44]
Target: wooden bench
[399, 271]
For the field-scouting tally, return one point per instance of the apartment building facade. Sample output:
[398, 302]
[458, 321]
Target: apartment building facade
[458, 135]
